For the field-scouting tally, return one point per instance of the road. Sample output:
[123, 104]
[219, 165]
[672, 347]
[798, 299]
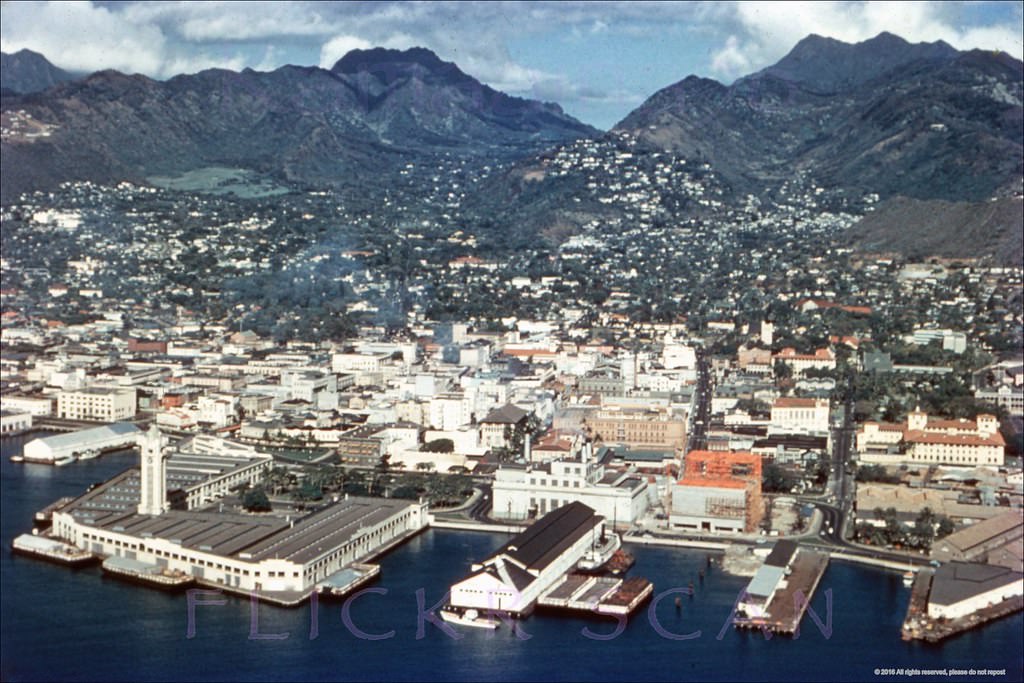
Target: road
[697, 437]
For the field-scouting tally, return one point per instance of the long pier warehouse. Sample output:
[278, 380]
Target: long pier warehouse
[281, 558]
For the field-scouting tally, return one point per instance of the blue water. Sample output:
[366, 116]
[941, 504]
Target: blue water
[61, 624]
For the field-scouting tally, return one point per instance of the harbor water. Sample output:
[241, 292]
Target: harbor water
[65, 624]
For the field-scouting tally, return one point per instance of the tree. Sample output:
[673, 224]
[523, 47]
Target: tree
[439, 446]
[782, 370]
[777, 480]
[426, 466]
[256, 500]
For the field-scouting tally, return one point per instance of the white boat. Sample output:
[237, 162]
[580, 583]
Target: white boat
[908, 578]
[599, 553]
[66, 460]
[17, 458]
[88, 455]
[469, 618]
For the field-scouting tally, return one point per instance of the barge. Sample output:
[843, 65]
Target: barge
[52, 549]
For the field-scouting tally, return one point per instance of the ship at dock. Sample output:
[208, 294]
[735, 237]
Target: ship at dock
[52, 550]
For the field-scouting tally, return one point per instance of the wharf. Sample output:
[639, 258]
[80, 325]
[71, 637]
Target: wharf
[597, 594]
[919, 626]
[786, 608]
[52, 550]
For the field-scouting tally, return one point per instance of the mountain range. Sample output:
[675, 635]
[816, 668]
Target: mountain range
[919, 121]
[882, 116]
[26, 71]
[373, 111]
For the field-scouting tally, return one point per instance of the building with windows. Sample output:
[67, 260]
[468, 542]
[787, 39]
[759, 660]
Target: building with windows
[800, 416]
[498, 428]
[514, 577]
[719, 492]
[101, 404]
[524, 490]
[923, 440]
[14, 423]
[821, 359]
[281, 557]
[639, 427]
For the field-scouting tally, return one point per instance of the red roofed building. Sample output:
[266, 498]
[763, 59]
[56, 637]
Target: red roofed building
[823, 359]
[933, 441]
[719, 492]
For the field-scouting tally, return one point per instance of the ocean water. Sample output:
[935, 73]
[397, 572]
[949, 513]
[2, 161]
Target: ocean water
[60, 624]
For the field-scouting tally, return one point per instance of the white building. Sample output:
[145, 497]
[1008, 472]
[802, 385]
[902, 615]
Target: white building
[97, 403]
[962, 588]
[39, 406]
[800, 416]
[512, 579]
[94, 440]
[520, 491]
[14, 423]
[821, 359]
[932, 441]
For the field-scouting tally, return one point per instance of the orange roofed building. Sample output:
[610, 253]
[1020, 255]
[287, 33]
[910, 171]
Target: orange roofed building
[719, 492]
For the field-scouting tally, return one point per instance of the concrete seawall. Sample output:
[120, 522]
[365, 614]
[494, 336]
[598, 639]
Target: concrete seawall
[476, 526]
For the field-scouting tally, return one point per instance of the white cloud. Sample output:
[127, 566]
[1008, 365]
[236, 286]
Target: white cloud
[81, 37]
[731, 59]
[339, 46]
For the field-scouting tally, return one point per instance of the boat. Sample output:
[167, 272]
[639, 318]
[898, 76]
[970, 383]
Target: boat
[599, 554]
[89, 455]
[150, 575]
[621, 562]
[908, 578]
[17, 458]
[66, 460]
[470, 617]
[52, 549]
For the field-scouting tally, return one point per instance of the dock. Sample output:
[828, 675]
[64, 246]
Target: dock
[780, 593]
[918, 625]
[51, 549]
[597, 594]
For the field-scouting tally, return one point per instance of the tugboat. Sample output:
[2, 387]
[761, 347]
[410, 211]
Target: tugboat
[470, 617]
[600, 554]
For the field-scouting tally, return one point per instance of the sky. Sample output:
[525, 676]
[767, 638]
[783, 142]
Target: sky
[598, 60]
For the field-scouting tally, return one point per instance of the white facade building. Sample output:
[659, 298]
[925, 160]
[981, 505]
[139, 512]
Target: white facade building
[523, 490]
[800, 416]
[97, 403]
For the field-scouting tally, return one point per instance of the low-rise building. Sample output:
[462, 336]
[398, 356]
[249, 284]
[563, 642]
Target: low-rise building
[800, 416]
[920, 439]
[512, 579]
[962, 588]
[719, 492]
[97, 403]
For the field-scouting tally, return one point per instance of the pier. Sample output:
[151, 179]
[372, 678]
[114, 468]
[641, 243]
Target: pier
[781, 590]
[921, 623]
[597, 594]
